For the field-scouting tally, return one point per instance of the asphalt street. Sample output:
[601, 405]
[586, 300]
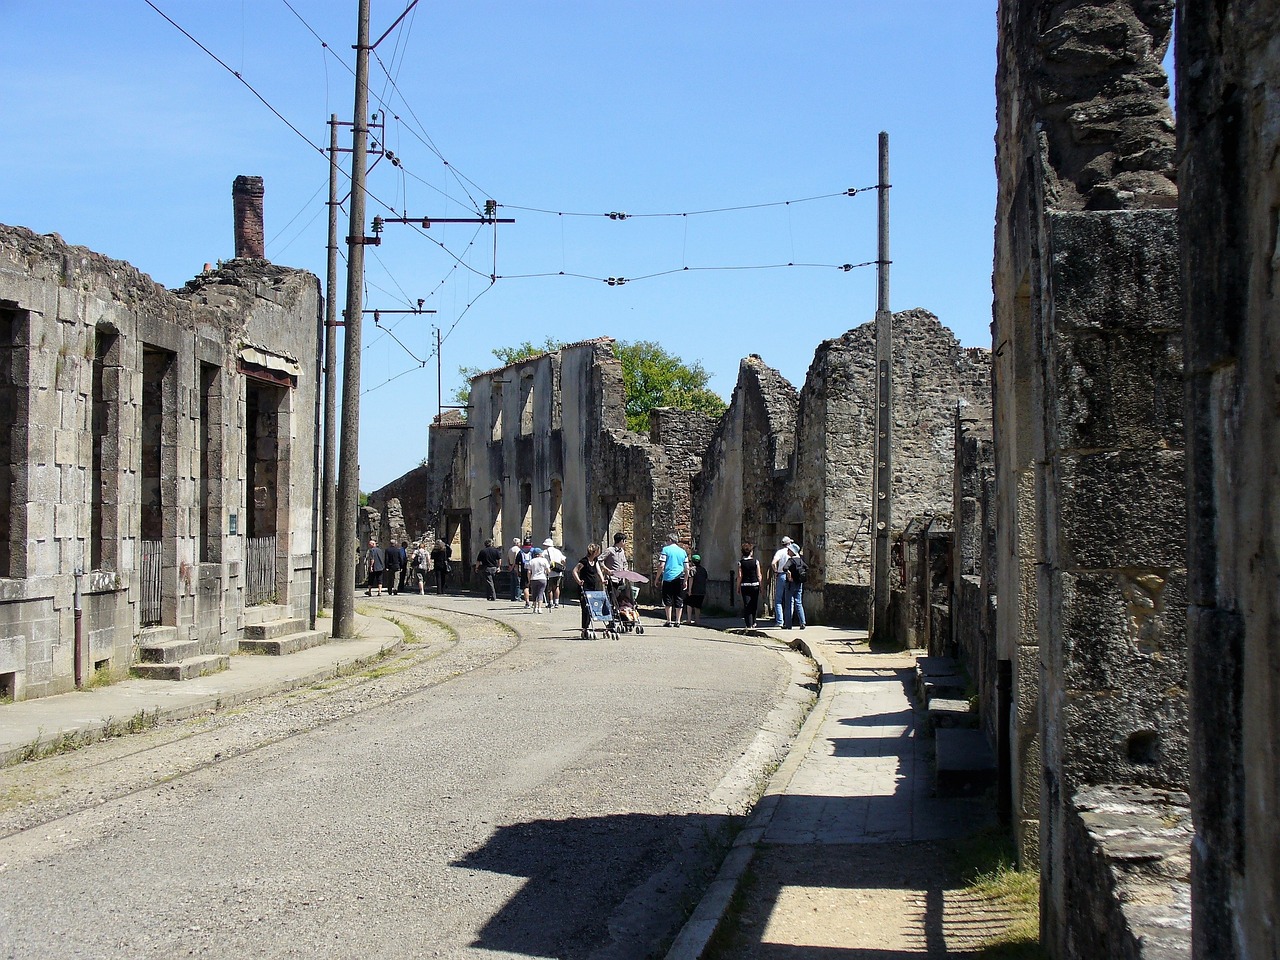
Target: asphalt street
[501, 788]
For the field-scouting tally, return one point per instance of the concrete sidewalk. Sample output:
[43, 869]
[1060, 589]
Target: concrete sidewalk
[857, 774]
[31, 727]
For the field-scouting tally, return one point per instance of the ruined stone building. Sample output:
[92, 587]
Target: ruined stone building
[545, 452]
[799, 464]
[162, 444]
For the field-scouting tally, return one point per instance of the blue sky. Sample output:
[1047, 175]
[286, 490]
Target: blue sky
[125, 137]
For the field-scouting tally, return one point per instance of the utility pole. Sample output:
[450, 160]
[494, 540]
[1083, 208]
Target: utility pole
[329, 493]
[344, 596]
[882, 476]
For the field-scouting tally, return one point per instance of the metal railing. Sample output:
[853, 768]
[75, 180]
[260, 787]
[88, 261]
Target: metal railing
[260, 571]
[151, 567]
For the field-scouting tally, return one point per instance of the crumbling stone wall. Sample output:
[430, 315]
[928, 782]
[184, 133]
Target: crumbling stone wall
[79, 329]
[835, 447]
[972, 581]
[1088, 425]
[742, 492]
[1229, 142]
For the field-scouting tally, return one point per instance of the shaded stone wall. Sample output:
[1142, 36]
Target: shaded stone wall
[81, 326]
[1229, 142]
[1088, 427]
[741, 493]
[972, 586]
[835, 448]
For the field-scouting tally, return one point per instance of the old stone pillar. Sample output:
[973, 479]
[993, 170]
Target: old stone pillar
[246, 193]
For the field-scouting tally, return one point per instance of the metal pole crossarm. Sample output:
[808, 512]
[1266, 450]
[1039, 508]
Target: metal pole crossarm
[426, 222]
[412, 310]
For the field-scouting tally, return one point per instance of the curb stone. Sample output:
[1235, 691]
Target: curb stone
[694, 937]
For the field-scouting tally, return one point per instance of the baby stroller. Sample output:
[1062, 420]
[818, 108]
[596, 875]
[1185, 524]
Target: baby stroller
[600, 611]
[626, 617]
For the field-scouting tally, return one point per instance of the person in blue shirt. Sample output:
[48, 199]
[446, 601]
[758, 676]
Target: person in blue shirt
[674, 564]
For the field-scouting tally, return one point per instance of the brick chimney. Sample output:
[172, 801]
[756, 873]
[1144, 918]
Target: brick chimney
[246, 193]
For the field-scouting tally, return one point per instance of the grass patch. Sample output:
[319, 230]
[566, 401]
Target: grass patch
[987, 865]
[105, 677]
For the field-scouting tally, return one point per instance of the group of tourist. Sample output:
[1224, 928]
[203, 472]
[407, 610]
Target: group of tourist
[537, 575]
[398, 571]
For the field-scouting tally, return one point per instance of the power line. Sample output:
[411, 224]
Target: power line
[622, 281]
[236, 73]
[617, 215]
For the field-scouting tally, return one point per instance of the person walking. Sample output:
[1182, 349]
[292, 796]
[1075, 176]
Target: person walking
[588, 575]
[391, 567]
[779, 580]
[526, 554]
[748, 578]
[421, 566]
[674, 562]
[539, 571]
[614, 560]
[440, 554]
[557, 559]
[402, 551]
[513, 567]
[797, 572]
[698, 577]
[488, 562]
[375, 563]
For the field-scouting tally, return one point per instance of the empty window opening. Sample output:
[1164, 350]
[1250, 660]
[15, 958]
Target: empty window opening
[8, 686]
[210, 463]
[495, 516]
[101, 665]
[495, 411]
[262, 457]
[155, 367]
[526, 404]
[13, 400]
[1144, 748]
[104, 463]
[557, 502]
[526, 509]
[622, 519]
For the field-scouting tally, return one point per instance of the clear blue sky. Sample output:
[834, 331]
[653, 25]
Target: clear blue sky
[125, 137]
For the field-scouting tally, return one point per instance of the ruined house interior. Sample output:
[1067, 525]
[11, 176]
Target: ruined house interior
[1084, 515]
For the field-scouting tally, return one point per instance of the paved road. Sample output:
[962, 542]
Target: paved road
[495, 791]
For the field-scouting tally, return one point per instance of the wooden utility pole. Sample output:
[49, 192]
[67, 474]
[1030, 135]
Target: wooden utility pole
[882, 477]
[344, 595]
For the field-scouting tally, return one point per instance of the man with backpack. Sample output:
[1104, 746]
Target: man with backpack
[796, 572]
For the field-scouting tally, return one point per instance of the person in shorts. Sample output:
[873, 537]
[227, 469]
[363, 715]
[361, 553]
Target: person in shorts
[698, 578]
[674, 564]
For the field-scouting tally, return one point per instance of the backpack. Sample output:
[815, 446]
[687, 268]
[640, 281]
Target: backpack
[797, 569]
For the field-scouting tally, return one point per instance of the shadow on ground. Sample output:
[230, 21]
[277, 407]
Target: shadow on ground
[614, 886]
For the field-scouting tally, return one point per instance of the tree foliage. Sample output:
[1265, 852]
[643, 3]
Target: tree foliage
[652, 377]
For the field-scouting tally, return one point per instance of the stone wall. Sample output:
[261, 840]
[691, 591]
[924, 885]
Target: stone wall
[1091, 514]
[1229, 141]
[835, 447]
[91, 349]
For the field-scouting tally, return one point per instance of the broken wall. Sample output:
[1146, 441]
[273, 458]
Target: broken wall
[1229, 175]
[1089, 444]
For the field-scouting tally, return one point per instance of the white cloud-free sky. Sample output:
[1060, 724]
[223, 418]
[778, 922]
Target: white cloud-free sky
[125, 137]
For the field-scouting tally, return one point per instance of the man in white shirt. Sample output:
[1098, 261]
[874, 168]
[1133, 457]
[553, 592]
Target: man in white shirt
[779, 580]
[513, 565]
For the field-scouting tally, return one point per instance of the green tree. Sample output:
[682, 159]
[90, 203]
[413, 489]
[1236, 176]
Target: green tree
[651, 376]
[655, 378]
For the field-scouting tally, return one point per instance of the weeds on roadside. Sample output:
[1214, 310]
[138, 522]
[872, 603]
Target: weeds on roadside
[988, 867]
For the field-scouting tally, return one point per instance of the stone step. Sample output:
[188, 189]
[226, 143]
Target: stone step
[945, 713]
[187, 669]
[265, 612]
[937, 666]
[272, 629]
[168, 651]
[965, 765]
[282, 646]
[152, 636]
[943, 688]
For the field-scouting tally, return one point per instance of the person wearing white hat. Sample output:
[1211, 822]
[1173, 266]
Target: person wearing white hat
[779, 560]
[557, 560]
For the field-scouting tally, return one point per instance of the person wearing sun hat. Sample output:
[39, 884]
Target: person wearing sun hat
[557, 560]
[513, 567]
